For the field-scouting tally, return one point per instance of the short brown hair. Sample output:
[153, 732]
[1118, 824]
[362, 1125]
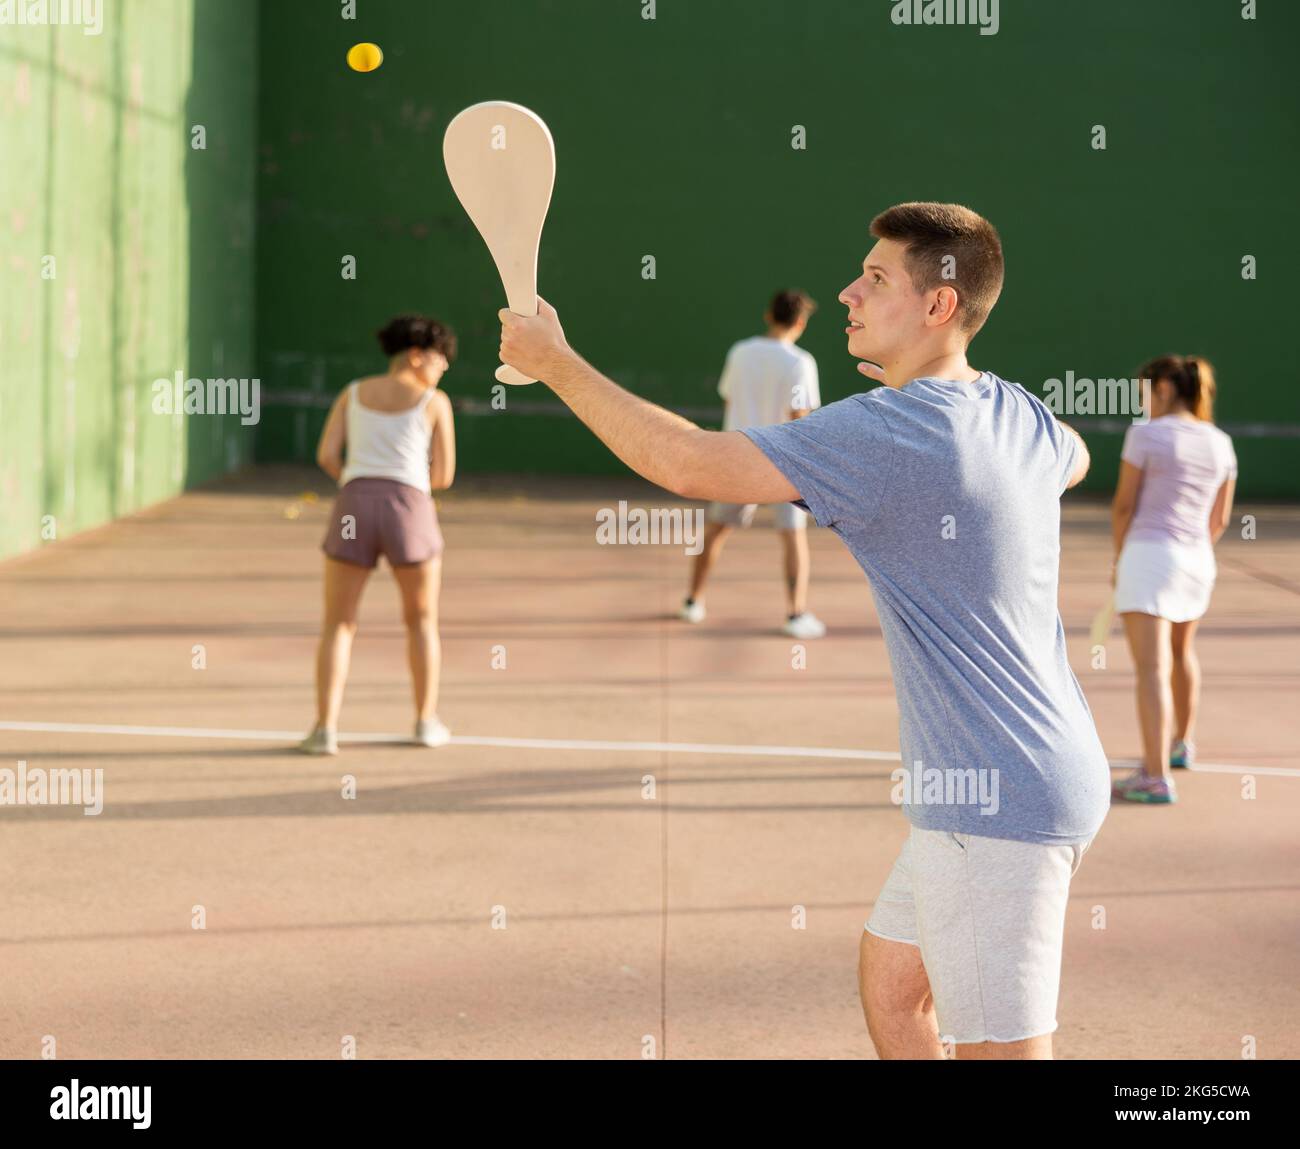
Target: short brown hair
[1192, 377]
[789, 307]
[935, 231]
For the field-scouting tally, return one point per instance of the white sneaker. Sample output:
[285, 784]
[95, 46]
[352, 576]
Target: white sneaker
[431, 732]
[320, 741]
[806, 625]
[691, 611]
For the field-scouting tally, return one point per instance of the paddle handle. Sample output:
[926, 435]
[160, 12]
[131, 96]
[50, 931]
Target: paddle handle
[1101, 622]
[507, 374]
[519, 286]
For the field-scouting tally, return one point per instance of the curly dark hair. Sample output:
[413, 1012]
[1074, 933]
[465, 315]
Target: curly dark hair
[422, 331]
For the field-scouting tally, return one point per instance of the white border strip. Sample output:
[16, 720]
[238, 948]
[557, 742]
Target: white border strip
[714, 748]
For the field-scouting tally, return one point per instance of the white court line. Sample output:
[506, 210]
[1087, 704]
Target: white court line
[560, 744]
[463, 740]
[1216, 768]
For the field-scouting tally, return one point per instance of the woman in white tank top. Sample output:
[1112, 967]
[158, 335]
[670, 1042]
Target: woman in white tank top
[1172, 502]
[397, 434]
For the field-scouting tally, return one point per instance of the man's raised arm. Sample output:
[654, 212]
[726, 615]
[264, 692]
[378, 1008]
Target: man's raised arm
[670, 451]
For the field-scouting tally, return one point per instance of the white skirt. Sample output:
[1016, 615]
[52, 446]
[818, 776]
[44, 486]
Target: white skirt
[1168, 579]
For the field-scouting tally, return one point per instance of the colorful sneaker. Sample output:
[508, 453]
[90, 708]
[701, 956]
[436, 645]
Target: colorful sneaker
[805, 625]
[320, 741]
[1117, 785]
[691, 611]
[1141, 787]
[1182, 754]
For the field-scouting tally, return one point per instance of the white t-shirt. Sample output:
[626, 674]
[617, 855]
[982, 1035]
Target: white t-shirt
[763, 380]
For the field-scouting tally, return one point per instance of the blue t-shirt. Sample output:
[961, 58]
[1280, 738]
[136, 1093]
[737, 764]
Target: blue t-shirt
[948, 495]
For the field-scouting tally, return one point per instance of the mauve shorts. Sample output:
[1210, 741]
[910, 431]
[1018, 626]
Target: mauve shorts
[382, 516]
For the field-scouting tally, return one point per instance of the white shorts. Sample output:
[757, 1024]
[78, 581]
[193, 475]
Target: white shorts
[988, 915]
[1165, 578]
[788, 516]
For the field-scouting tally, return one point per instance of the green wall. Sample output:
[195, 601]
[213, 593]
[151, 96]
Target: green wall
[152, 243]
[673, 139]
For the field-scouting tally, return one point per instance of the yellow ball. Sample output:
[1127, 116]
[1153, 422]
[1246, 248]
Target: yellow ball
[365, 57]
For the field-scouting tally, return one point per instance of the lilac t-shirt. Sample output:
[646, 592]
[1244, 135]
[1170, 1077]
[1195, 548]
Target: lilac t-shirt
[1184, 462]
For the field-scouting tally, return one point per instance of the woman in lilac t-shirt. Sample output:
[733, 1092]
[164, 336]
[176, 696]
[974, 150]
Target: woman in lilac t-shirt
[1171, 505]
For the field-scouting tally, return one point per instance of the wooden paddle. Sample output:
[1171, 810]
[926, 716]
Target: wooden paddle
[500, 159]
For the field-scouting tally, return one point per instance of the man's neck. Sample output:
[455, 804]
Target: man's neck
[781, 334]
[944, 365]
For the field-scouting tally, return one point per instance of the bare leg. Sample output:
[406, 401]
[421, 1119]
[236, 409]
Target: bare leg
[715, 534]
[795, 544]
[1031, 1049]
[1148, 639]
[899, 1009]
[1186, 679]
[896, 1000]
[344, 583]
[419, 584]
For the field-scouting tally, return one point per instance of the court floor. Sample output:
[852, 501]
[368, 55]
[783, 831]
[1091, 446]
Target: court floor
[608, 859]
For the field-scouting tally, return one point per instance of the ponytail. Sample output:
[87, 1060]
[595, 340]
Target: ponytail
[1196, 387]
[1193, 380]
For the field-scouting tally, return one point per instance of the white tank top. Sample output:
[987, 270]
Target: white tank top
[388, 444]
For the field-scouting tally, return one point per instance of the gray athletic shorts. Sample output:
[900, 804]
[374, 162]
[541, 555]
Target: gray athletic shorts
[788, 516]
[989, 916]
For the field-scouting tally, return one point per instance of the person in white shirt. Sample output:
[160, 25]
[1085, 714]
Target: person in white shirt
[1177, 479]
[766, 380]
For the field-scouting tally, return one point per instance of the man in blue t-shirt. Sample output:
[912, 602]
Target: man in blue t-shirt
[945, 484]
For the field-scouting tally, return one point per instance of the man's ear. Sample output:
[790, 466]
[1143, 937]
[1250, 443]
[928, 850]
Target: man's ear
[944, 306]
